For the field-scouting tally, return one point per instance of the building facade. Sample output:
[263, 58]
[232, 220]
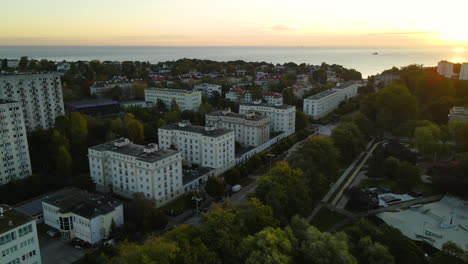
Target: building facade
[14, 152]
[187, 100]
[320, 104]
[347, 89]
[458, 114]
[445, 69]
[208, 89]
[464, 71]
[207, 146]
[40, 96]
[104, 88]
[282, 117]
[18, 237]
[128, 168]
[79, 214]
[250, 129]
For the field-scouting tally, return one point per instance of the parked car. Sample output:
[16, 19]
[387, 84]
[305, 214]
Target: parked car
[236, 188]
[51, 233]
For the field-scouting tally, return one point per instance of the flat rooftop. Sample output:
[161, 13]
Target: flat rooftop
[434, 223]
[346, 84]
[135, 150]
[189, 175]
[16, 217]
[82, 203]
[276, 106]
[322, 94]
[217, 132]
[92, 103]
[171, 90]
[254, 117]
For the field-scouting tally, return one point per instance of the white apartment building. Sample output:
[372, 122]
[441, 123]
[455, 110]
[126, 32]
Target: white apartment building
[464, 72]
[282, 117]
[12, 63]
[103, 88]
[347, 89]
[18, 237]
[40, 96]
[187, 100]
[250, 129]
[273, 98]
[320, 104]
[445, 68]
[208, 89]
[458, 113]
[79, 214]
[128, 168]
[14, 152]
[238, 95]
[207, 146]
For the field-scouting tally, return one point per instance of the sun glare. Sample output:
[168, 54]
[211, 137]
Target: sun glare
[459, 50]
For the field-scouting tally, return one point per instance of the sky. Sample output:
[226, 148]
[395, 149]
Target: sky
[402, 23]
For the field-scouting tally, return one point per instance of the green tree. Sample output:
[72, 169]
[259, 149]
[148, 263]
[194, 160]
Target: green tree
[232, 176]
[373, 252]
[302, 120]
[174, 106]
[349, 140]
[408, 175]
[64, 163]
[23, 63]
[269, 246]
[214, 186]
[134, 128]
[392, 166]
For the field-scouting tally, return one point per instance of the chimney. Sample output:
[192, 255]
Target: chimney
[1, 212]
[10, 223]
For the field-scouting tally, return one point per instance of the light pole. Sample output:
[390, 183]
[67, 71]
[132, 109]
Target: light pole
[196, 199]
[270, 156]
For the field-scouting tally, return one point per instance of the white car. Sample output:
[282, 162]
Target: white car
[51, 233]
[236, 188]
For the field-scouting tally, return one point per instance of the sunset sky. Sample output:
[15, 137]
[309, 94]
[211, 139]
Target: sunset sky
[235, 23]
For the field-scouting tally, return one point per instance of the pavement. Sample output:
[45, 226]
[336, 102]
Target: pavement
[55, 251]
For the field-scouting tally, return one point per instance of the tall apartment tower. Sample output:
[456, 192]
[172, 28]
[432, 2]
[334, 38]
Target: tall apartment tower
[14, 153]
[40, 96]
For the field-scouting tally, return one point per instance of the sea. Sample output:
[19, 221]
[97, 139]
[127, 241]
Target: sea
[367, 60]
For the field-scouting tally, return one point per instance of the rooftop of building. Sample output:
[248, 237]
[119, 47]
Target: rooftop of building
[228, 113]
[92, 103]
[12, 218]
[205, 131]
[276, 106]
[194, 173]
[82, 203]
[459, 110]
[126, 147]
[346, 84]
[322, 94]
[26, 74]
[171, 90]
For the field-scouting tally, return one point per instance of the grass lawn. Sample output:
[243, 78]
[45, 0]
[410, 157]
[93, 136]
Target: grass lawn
[325, 219]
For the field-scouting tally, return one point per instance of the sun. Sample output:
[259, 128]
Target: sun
[459, 50]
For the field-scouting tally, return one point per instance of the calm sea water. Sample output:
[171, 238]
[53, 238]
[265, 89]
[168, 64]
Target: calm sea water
[360, 58]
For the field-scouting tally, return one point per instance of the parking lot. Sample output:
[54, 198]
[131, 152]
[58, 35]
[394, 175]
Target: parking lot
[55, 251]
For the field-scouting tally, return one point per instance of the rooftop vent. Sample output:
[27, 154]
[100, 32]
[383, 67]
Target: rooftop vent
[257, 102]
[184, 123]
[209, 128]
[1, 212]
[121, 142]
[10, 223]
[151, 148]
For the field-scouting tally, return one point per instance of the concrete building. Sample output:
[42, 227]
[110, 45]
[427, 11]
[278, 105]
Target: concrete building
[282, 117]
[94, 107]
[128, 168]
[250, 129]
[40, 96]
[445, 69]
[134, 103]
[463, 72]
[320, 104]
[238, 95]
[208, 89]
[207, 146]
[14, 153]
[104, 88]
[79, 214]
[347, 89]
[63, 67]
[458, 113]
[187, 100]
[12, 63]
[18, 237]
[273, 98]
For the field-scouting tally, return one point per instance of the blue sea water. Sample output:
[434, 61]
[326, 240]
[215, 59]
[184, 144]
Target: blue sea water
[359, 58]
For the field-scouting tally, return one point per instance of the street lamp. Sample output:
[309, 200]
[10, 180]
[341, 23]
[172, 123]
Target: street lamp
[270, 156]
[196, 199]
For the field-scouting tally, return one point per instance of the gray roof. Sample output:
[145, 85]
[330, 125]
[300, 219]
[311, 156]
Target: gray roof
[282, 106]
[217, 132]
[254, 117]
[322, 94]
[171, 90]
[135, 151]
[346, 84]
[16, 217]
[82, 203]
[92, 102]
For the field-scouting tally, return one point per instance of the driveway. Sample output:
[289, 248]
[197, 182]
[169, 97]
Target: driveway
[55, 251]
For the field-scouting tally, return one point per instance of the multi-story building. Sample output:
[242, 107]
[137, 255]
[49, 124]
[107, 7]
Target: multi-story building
[79, 214]
[127, 168]
[14, 153]
[463, 72]
[13, 63]
[347, 89]
[320, 104]
[445, 68]
[238, 95]
[208, 89]
[273, 98]
[207, 146]
[187, 100]
[282, 117]
[40, 96]
[250, 129]
[458, 113]
[18, 237]
[104, 88]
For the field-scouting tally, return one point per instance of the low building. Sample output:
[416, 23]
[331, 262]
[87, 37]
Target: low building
[458, 114]
[134, 103]
[273, 98]
[282, 117]
[94, 107]
[463, 72]
[63, 66]
[127, 168]
[206, 146]
[347, 89]
[18, 237]
[104, 88]
[79, 214]
[445, 69]
[321, 104]
[14, 153]
[187, 100]
[12, 63]
[208, 89]
[250, 129]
